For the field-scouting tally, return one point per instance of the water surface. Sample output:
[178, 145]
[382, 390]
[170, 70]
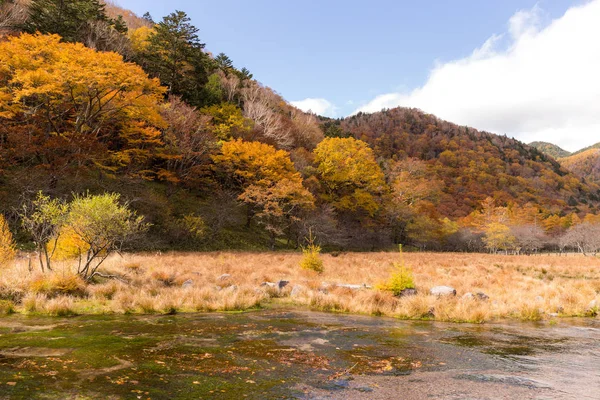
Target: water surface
[291, 354]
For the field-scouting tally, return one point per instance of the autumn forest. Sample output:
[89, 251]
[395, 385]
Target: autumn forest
[94, 99]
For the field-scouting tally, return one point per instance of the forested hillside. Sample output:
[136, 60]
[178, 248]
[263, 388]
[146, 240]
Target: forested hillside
[585, 164]
[95, 99]
[550, 149]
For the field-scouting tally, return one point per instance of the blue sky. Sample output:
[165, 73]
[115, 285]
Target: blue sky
[349, 53]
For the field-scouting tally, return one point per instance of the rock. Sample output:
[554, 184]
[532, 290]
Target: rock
[323, 290]
[440, 291]
[231, 288]
[187, 283]
[282, 284]
[224, 277]
[553, 315]
[296, 290]
[353, 287]
[482, 296]
[468, 296]
[269, 284]
[407, 292]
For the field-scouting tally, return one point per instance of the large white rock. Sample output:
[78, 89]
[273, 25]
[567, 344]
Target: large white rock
[443, 291]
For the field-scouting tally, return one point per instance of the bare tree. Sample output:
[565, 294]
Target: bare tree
[529, 238]
[583, 237]
[259, 106]
[231, 84]
[13, 13]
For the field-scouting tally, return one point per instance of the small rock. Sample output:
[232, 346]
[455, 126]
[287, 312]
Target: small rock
[553, 315]
[443, 291]
[341, 383]
[323, 290]
[407, 292]
[353, 287]
[187, 283]
[231, 288]
[468, 296]
[482, 296]
[224, 277]
[269, 284]
[364, 389]
[282, 284]
[296, 290]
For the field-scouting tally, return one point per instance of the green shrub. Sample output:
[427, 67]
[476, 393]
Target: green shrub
[401, 277]
[6, 307]
[311, 259]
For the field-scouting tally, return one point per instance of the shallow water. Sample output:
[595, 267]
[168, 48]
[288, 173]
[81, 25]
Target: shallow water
[294, 354]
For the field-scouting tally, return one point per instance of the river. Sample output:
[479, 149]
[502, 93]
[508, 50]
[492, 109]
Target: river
[294, 354]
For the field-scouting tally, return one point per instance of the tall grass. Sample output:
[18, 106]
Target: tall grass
[523, 287]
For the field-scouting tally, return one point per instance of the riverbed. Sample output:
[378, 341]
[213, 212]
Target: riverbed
[294, 354]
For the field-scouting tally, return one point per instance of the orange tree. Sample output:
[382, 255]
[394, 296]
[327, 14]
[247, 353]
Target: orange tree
[269, 184]
[72, 105]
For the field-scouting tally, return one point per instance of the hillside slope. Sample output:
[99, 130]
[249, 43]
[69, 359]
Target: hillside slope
[585, 164]
[550, 149]
[473, 165]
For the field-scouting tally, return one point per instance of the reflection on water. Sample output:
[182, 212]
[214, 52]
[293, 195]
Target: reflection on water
[293, 354]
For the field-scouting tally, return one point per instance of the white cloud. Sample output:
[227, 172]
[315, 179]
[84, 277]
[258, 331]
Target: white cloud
[317, 106]
[543, 85]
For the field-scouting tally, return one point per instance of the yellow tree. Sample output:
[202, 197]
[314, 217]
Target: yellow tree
[270, 185]
[498, 237]
[227, 121]
[7, 245]
[348, 171]
[73, 93]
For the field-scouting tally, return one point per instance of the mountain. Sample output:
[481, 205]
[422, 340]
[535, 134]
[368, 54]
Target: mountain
[584, 163]
[213, 159]
[550, 149]
[594, 146]
[472, 165]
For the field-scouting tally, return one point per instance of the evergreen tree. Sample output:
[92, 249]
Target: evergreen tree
[69, 19]
[176, 57]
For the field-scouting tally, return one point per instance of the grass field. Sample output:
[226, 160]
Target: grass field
[521, 287]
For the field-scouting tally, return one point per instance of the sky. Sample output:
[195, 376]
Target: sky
[528, 69]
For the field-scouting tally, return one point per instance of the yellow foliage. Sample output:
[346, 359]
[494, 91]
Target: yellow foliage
[139, 38]
[268, 179]
[227, 120]
[350, 173]
[7, 245]
[68, 246]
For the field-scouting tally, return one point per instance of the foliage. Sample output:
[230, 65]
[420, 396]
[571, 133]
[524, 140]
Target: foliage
[311, 255]
[68, 245]
[351, 177]
[194, 225]
[103, 225]
[270, 185]
[227, 121]
[43, 218]
[498, 237]
[90, 106]
[401, 277]
[174, 55]
[7, 244]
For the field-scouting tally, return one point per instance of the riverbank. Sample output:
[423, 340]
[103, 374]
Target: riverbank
[515, 287]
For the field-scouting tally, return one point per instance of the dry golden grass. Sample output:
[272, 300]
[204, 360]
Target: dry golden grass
[523, 287]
